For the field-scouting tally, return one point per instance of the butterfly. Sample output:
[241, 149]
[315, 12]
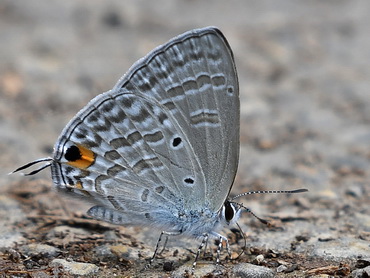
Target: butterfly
[161, 148]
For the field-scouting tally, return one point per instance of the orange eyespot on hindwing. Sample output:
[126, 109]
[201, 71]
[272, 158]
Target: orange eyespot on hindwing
[79, 157]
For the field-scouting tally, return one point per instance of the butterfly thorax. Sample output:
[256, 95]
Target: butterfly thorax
[195, 223]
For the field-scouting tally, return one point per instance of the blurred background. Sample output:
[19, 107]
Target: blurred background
[303, 68]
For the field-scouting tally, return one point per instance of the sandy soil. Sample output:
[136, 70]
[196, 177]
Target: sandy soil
[304, 70]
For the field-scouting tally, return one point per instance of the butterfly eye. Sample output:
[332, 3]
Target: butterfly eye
[229, 211]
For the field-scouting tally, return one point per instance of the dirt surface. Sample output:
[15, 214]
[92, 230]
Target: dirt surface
[304, 70]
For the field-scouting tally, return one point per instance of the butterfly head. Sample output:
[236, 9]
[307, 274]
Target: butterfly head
[230, 213]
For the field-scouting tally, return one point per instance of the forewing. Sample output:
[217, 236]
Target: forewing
[194, 77]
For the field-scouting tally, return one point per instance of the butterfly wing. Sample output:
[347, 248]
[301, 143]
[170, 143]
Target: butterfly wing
[166, 136]
[194, 77]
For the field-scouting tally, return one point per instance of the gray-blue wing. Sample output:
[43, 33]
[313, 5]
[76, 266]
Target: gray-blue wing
[166, 137]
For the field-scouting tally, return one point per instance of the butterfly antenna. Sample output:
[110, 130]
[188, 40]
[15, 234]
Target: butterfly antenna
[269, 192]
[252, 213]
[33, 163]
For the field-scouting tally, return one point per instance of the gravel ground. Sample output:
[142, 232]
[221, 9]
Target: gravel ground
[304, 70]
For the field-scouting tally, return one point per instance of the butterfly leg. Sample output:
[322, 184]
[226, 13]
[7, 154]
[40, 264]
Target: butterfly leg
[228, 248]
[164, 245]
[219, 248]
[158, 242]
[204, 242]
[205, 249]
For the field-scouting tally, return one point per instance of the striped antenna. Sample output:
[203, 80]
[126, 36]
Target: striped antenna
[269, 192]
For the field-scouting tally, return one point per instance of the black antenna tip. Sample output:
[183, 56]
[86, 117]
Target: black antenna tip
[263, 221]
[300, 190]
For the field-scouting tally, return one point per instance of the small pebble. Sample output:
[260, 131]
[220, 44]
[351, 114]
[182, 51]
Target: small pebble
[281, 268]
[75, 268]
[260, 258]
